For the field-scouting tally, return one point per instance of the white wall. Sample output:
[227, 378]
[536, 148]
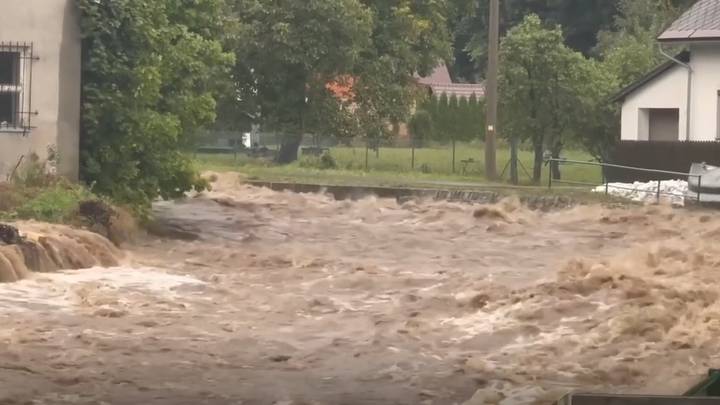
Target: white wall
[705, 62]
[668, 90]
[53, 28]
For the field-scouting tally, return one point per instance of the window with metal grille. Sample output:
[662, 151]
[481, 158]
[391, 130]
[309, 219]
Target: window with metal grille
[15, 87]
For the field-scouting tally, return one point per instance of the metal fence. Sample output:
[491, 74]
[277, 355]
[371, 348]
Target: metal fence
[393, 154]
[605, 166]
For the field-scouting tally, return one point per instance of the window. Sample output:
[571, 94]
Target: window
[11, 88]
[15, 80]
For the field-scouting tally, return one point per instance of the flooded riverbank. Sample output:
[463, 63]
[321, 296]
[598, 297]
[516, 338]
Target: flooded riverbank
[280, 298]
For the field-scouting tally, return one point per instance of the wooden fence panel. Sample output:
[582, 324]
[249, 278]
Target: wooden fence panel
[671, 156]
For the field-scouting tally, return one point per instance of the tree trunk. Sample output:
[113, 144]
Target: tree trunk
[367, 152]
[514, 178]
[289, 147]
[555, 166]
[537, 165]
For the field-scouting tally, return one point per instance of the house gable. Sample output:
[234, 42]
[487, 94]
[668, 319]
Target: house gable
[663, 92]
[650, 77]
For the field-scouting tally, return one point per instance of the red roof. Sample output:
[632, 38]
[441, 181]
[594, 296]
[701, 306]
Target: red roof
[440, 75]
[440, 83]
[342, 88]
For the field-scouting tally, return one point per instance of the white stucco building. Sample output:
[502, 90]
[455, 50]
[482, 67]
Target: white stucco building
[679, 100]
[40, 72]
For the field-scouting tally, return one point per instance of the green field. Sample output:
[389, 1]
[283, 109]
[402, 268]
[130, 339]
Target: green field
[393, 166]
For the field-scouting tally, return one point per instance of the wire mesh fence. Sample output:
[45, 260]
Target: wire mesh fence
[656, 190]
[396, 154]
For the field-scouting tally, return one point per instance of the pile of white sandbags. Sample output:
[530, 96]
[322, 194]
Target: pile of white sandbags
[671, 191]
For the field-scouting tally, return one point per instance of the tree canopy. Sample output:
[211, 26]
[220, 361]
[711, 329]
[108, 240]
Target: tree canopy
[155, 74]
[547, 89]
[150, 76]
[290, 51]
[582, 21]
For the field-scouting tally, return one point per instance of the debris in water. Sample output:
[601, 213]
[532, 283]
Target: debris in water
[9, 235]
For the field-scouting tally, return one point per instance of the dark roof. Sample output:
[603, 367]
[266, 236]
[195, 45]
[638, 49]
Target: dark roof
[700, 23]
[658, 71]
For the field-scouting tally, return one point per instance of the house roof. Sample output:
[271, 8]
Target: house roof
[658, 71]
[440, 75]
[700, 23]
[440, 82]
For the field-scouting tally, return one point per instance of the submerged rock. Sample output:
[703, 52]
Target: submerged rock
[9, 235]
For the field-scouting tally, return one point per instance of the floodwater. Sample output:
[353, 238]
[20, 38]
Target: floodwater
[299, 299]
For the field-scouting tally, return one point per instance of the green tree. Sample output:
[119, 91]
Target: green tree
[539, 83]
[291, 50]
[581, 20]
[287, 53]
[421, 128]
[597, 124]
[442, 119]
[151, 72]
[627, 52]
[630, 49]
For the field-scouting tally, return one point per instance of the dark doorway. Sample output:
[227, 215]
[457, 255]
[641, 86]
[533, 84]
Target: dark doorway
[664, 124]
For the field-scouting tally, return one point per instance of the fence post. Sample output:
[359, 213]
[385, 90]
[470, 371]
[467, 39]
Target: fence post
[412, 163]
[699, 189]
[658, 191]
[605, 180]
[550, 177]
[453, 156]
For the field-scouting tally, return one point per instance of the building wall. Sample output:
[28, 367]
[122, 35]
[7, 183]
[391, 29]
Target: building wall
[670, 91]
[53, 28]
[665, 91]
[706, 83]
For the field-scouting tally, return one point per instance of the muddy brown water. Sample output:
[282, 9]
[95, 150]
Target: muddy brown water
[300, 299]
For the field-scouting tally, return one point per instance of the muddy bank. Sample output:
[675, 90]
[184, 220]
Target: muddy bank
[27, 247]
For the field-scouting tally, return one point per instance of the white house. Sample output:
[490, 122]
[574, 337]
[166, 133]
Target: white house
[40, 72]
[679, 100]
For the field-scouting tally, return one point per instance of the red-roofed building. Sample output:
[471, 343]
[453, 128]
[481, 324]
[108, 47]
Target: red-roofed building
[439, 82]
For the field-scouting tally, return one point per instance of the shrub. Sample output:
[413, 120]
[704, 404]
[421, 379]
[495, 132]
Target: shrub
[324, 162]
[57, 203]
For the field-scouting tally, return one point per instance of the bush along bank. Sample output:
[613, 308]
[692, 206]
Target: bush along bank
[34, 193]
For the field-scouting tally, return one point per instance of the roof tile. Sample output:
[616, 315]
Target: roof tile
[700, 22]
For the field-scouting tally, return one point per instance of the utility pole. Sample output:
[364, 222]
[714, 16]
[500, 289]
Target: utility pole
[491, 91]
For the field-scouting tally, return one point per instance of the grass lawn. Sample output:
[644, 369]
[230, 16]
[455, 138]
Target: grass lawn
[392, 167]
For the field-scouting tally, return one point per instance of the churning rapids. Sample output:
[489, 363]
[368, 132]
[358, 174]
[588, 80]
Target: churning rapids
[300, 299]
